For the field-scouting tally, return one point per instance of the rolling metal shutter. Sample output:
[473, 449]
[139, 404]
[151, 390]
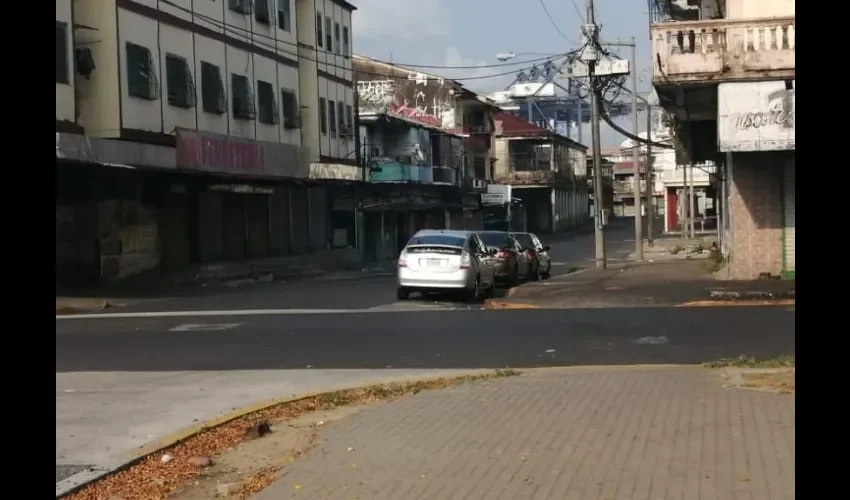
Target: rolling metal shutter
[789, 239]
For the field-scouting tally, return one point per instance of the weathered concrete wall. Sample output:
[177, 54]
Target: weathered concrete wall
[755, 214]
[415, 96]
[129, 238]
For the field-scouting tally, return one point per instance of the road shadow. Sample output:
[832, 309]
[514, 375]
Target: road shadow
[440, 339]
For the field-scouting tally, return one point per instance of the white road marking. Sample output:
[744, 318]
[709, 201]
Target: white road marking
[651, 340]
[268, 312]
[197, 327]
[190, 314]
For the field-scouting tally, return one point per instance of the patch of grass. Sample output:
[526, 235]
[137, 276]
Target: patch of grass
[151, 477]
[676, 250]
[785, 361]
[715, 261]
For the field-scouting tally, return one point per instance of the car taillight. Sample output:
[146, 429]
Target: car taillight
[402, 260]
[465, 261]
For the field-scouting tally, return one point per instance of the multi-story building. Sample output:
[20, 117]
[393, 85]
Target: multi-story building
[725, 69]
[544, 172]
[254, 98]
[428, 142]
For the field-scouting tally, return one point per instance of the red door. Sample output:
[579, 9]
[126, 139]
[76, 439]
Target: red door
[672, 208]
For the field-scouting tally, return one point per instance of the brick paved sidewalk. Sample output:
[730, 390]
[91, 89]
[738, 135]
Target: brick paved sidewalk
[581, 433]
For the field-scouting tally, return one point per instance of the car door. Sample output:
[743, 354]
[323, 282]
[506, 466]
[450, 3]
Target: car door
[488, 268]
[543, 254]
[522, 259]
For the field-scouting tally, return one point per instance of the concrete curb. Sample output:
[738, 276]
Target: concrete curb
[68, 310]
[496, 304]
[80, 480]
[738, 303]
[750, 295]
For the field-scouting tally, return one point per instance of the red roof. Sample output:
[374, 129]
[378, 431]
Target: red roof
[514, 126]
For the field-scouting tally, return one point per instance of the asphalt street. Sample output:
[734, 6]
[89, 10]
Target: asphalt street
[444, 339]
[372, 290]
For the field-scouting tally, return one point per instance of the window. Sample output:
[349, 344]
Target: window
[62, 71]
[243, 101]
[332, 117]
[323, 115]
[346, 44]
[329, 42]
[213, 98]
[261, 12]
[319, 36]
[267, 103]
[289, 105]
[336, 37]
[178, 78]
[141, 77]
[240, 6]
[340, 115]
[284, 15]
[349, 118]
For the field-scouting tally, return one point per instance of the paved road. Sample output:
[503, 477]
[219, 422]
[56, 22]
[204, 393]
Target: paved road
[569, 251]
[566, 434]
[443, 339]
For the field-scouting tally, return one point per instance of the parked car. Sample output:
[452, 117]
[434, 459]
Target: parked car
[537, 252]
[437, 261]
[510, 261]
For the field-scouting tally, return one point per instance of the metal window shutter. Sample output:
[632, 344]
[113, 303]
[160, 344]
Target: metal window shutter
[789, 215]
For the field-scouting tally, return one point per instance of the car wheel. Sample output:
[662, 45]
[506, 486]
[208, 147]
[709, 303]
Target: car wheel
[402, 293]
[474, 294]
[513, 278]
[534, 272]
[548, 272]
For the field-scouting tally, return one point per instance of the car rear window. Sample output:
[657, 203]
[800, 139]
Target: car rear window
[499, 240]
[524, 240]
[437, 239]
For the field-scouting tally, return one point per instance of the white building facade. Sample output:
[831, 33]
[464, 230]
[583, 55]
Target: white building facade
[254, 95]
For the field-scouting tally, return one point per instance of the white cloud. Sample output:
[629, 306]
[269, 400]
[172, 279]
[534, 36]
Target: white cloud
[407, 20]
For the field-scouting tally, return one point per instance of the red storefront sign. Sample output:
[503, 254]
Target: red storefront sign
[207, 152]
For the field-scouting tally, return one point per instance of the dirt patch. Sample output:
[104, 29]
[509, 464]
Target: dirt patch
[252, 465]
[782, 381]
[194, 460]
[496, 304]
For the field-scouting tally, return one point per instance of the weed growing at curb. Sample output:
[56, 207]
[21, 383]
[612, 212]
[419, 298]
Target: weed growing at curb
[155, 477]
[785, 361]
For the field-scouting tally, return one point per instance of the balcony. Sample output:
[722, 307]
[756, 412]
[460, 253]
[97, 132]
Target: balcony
[530, 177]
[723, 50]
[404, 173]
[701, 176]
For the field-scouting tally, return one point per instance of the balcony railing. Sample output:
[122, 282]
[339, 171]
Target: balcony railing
[531, 177]
[415, 174]
[724, 50]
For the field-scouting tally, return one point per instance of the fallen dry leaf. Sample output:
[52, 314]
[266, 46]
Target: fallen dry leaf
[154, 479]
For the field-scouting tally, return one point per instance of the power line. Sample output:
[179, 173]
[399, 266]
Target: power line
[555, 25]
[240, 31]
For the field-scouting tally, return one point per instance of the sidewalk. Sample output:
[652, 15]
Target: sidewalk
[666, 283]
[572, 434]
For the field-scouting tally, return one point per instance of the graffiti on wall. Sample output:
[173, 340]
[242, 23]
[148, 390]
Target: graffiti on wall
[416, 97]
[756, 116]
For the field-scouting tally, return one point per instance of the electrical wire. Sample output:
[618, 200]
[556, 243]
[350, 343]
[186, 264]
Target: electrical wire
[555, 25]
[246, 32]
[578, 11]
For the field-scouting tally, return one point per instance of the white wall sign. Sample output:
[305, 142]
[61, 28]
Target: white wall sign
[756, 116]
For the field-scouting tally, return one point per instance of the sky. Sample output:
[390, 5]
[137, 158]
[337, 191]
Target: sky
[473, 32]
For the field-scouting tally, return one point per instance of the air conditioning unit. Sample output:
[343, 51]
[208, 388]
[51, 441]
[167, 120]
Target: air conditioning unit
[479, 183]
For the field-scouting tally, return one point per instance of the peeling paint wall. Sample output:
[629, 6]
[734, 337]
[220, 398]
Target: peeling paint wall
[418, 97]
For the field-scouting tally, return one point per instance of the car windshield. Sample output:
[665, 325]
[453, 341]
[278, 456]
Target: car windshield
[497, 240]
[437, 239]
[524, 239]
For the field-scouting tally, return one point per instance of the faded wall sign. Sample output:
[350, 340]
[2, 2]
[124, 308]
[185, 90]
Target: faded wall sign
[209, 152]
[756, 116]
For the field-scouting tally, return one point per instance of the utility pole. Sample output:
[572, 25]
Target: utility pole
[650, 176]
[590, 55]
[691, 201]
[636, 159]
[684, 202]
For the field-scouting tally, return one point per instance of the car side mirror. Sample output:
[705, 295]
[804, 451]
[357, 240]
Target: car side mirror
[546, 248]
